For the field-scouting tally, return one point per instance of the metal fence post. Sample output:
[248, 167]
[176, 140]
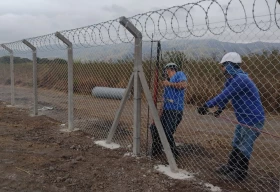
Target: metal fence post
[137, 86]
[70, 79]
[35, 75]
[139, 79]
[137, 95]
[12, 73]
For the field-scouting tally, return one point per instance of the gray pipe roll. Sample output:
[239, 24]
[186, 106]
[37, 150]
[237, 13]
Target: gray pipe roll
[108, 92]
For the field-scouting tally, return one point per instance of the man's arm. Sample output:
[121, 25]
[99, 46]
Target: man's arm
[179, 85]
[227, 94]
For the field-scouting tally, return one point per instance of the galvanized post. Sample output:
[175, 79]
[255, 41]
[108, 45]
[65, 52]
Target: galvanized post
[139, 75]
[137, 86]
[70, 79]
[12, 73]
[35, 76]
[137, 95]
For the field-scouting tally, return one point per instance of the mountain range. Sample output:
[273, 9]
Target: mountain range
[191, 48]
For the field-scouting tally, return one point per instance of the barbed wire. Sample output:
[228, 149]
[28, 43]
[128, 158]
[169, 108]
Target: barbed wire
[171, 23]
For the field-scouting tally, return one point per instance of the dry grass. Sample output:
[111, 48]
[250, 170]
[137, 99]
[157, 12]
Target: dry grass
[204, 78]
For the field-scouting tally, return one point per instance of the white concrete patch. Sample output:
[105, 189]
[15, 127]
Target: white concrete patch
[129, 155]
[45, 108]
[212, 187]
[106, 145]
[132, 155]
[69, 131]
[32, 115]
[182, 174]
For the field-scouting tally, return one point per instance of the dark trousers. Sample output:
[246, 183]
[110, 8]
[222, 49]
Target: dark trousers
[170, 119]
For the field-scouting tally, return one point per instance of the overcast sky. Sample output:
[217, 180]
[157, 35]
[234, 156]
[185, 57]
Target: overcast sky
[21, 19]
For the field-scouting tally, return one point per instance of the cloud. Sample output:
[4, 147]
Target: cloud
[23, 19]
[115, 8]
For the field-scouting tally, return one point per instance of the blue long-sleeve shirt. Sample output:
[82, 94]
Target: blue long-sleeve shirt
[173, 97]
[245, 99]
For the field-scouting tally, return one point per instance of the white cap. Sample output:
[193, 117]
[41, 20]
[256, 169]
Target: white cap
[232, 57]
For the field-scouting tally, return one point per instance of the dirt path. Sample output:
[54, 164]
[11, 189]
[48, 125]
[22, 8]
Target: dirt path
[36, 156]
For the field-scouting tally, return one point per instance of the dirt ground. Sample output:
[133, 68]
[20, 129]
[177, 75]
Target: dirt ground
[36, 156]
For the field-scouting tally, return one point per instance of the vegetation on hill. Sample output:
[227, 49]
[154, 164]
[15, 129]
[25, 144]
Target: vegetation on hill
[205, 79]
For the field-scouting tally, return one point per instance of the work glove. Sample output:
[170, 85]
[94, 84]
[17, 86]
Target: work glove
[217, 113]
[203, 110]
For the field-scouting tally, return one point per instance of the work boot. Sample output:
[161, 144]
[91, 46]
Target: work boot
[156, 150]
[227, 168]
[156, 145]
[241, 171]
[237, 175]
[224, 169]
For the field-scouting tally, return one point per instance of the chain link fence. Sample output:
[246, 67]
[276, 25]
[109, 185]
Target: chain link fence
[195, 36]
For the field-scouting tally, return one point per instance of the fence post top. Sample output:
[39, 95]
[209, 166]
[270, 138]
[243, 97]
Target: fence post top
[63, 39]
[130, 27]
[29, 45]
[7, 48]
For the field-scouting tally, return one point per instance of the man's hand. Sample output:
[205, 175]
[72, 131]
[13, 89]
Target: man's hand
[202, 110]
[217, 113]
[166, 83]
[179, 85]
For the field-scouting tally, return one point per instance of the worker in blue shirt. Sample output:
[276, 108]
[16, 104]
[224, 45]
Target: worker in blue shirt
[172, 111]
[245, 98]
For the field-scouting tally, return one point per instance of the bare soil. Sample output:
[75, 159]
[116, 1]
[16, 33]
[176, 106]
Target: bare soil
[36, 156]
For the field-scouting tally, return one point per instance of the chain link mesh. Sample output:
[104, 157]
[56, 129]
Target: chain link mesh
[204, 142]
[103, 63]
